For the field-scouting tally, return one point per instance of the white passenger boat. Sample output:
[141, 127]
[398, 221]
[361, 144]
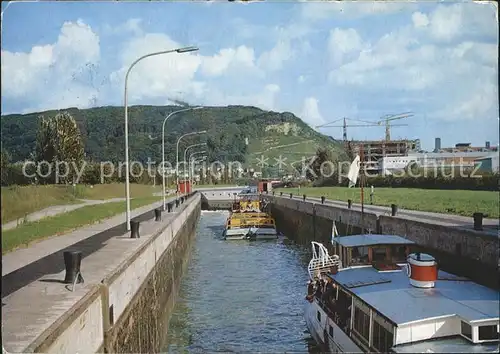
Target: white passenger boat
[386, 299]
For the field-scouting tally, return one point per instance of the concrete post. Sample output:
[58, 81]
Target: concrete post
[72, 262]
[134, 229]
[157, 214]
[478, 221]
[394, 209]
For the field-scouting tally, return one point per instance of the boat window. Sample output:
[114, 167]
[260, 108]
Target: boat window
[382, 338]
[359, 255]
[400, 253]
[379, 253]
[466, 330]
[319, 316]
[330, 331]
[362, 324]
[488, 332]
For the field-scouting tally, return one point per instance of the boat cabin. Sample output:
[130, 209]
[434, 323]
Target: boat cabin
[382, 251]
[260, 220]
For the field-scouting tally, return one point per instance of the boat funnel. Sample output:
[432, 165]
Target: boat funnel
[422, 270]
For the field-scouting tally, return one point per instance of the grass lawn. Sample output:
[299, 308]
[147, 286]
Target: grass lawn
[459, 202]
[59, 224]
[19, 201]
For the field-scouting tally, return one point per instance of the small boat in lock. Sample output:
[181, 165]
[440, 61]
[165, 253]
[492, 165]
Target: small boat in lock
[249, 220]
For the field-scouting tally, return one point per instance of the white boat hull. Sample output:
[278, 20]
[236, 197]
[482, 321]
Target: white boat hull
[253, 233]
[320, 330]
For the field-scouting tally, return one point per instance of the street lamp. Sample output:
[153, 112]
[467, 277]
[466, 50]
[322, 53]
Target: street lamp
[177, 154]
[191, 164]
[127, 177]
[189, 147]
[163, 147]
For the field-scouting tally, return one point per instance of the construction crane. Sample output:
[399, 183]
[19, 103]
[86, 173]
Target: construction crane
[389, 117]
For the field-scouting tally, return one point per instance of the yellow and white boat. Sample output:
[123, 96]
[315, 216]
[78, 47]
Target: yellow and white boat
[248, 221]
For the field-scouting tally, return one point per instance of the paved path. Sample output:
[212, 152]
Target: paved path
[55, 210]
[491, 226]
[33, 293]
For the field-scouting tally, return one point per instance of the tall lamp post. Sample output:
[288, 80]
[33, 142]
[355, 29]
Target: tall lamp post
[127, 177]
[163, 147]
[191, 164]
[177, 154]
[189, 147]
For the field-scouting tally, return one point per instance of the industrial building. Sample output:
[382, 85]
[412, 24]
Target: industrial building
[488, 163]
[388, 157]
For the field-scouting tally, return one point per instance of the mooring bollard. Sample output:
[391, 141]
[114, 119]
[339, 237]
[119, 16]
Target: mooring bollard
[273, 192]
[157, 214]
[304, 197]
[323, 200]
[169, 207]
[394, 209]
[72, 262]
[281, 194]
[177, 203]
[291, 195]
[134, 229]
[478, 221]
[349, 203]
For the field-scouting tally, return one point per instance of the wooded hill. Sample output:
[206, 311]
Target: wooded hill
[268, 133]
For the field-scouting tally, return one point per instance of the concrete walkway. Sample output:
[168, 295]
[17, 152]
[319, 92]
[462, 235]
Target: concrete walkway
[56, 210]
[491, 226]
[33, 293]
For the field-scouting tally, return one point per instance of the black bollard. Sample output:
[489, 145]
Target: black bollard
[281, 194]
[72, 262]
[134, 229]
[304, 197]
[291, 195]
[349, 203]
[394, 209]
[273, 192]
[169, 207]
[267, 192]
[177, 203]
[157, 214]
[322, 200]
[478, 221]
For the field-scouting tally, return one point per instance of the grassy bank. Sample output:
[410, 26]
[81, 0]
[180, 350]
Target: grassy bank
[19, 201]
[59, 224]
[459, 202]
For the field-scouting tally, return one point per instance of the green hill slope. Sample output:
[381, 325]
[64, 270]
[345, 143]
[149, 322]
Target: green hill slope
[270, 134]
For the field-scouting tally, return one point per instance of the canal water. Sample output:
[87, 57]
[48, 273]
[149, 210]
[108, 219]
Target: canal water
[240, 296]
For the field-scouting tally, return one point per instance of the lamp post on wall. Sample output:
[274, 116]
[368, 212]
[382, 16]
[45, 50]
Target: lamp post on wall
[191, 163]
[127, 177]
[177, 154]
[186, 150]
[163, 147]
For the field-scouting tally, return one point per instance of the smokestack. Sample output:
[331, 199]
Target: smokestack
[487, 145]
[437, 145]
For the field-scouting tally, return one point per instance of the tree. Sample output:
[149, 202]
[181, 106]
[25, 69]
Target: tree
[59, 145]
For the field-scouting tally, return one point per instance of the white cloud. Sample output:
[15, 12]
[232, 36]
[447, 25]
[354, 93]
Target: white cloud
[54, 75]
[342, 42]
[275, 58]
[310, 112]
[241, 57]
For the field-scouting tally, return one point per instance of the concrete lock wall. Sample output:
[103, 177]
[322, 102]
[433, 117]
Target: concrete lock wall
[130, 309]
[472, 253]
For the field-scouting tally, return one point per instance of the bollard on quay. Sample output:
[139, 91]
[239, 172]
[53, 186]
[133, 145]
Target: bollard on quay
[72, 263]
[394, 209]
[169, 207]
[322, 200]
[177, 203]
[157, 214]
[478, 221]
[281, 194]
[134, 229]
[291, 195]
[349, 203]
[304, 197]
[273, 192]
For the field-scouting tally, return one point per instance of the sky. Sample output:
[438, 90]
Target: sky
[322, 61]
